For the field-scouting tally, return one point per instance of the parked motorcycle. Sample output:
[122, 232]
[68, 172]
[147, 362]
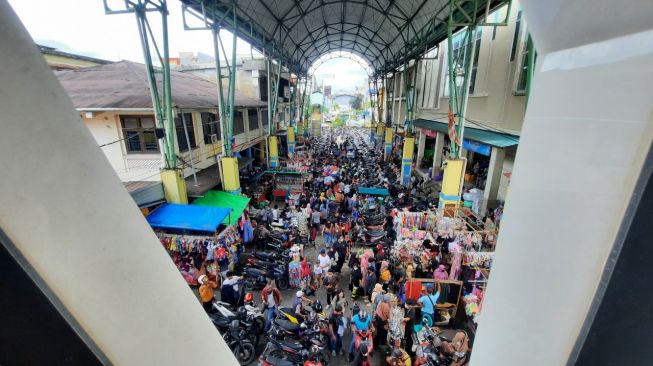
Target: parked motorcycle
[311, 347]
[242, 348]
[257, 278]
[223, 318]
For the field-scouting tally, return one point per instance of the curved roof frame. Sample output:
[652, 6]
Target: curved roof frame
[386, 33]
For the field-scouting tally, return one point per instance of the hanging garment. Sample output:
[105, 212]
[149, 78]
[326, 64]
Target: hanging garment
[248, 232]
[294, 274]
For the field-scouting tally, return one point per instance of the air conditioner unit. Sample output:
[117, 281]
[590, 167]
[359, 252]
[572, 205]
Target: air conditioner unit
[214, 138]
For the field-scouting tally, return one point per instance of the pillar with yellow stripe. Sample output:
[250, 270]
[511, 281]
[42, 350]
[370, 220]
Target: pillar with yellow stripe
[388, 142]
[407, 160]
[300, 129]
[230, 175]
[452, 183]
[379, 132]
[274, 151]
[174, 186]
[291, 141]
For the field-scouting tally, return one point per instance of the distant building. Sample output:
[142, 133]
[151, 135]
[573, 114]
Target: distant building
[115, 103]
[59, 60]
[251, 78]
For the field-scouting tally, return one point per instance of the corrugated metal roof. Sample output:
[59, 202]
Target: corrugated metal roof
[124, 85]
[145, 193]
[385, 33]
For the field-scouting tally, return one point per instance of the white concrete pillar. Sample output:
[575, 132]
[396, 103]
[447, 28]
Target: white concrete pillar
[569, 211]
[437, 154]
[51, 229]
[493, 177]
[421, 142]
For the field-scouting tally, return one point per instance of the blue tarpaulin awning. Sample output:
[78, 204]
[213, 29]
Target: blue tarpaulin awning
[373, 191]
[484, 136]
[187, 217]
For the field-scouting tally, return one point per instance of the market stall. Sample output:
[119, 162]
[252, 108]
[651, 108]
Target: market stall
[188, 217]
[449, 249]
[196, 239]
[288, 185]
[222, 199]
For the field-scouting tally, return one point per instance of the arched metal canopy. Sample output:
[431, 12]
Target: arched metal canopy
[383, 32]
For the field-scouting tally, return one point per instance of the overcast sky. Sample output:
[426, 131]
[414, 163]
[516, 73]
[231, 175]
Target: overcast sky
[80, 26]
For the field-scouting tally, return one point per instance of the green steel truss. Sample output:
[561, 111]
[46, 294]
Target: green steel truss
[161, 99]
[459, 64]
[386, 33]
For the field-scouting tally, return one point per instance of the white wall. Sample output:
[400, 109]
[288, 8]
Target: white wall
[494, 102]
[105, 128]
[84, 235]
[578, 160]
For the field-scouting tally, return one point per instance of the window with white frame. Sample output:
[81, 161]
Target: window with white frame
[210, 127]
[264, 119]
[460, 51]
[239, 123]
[252, 117]
[427, 88]
[139, 135]
[515, 37]
[181, 132]
[522, 72]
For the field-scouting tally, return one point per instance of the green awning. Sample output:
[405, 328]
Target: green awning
[487, 137]
[226, 200]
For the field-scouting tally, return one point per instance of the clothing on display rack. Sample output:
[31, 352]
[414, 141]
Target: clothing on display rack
[478, 259]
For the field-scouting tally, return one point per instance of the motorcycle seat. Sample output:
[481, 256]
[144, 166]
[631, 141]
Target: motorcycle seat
[276, 361]
[287, 325]
[376, 233]
[292, 344]
[265, 255]
[220, 321]
[255, 272]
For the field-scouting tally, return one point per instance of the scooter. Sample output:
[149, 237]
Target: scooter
[363, 337]
[427, 348]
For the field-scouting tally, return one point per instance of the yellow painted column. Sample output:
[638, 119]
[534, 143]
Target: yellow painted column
[174, 186]
[274, 151]
[316, 121]
[291, 141]
[231, 182]
[407, 160]
[300, 128]
[388, 142]
[379, 132]
[452, 183]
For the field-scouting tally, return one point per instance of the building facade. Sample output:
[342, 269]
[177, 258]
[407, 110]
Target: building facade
[495, 109]
[114, 101]
[59, 60]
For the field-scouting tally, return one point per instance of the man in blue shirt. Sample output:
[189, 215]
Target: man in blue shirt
[428, 302]
[361, 321]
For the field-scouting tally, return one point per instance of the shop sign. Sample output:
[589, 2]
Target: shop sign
[477, 147]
